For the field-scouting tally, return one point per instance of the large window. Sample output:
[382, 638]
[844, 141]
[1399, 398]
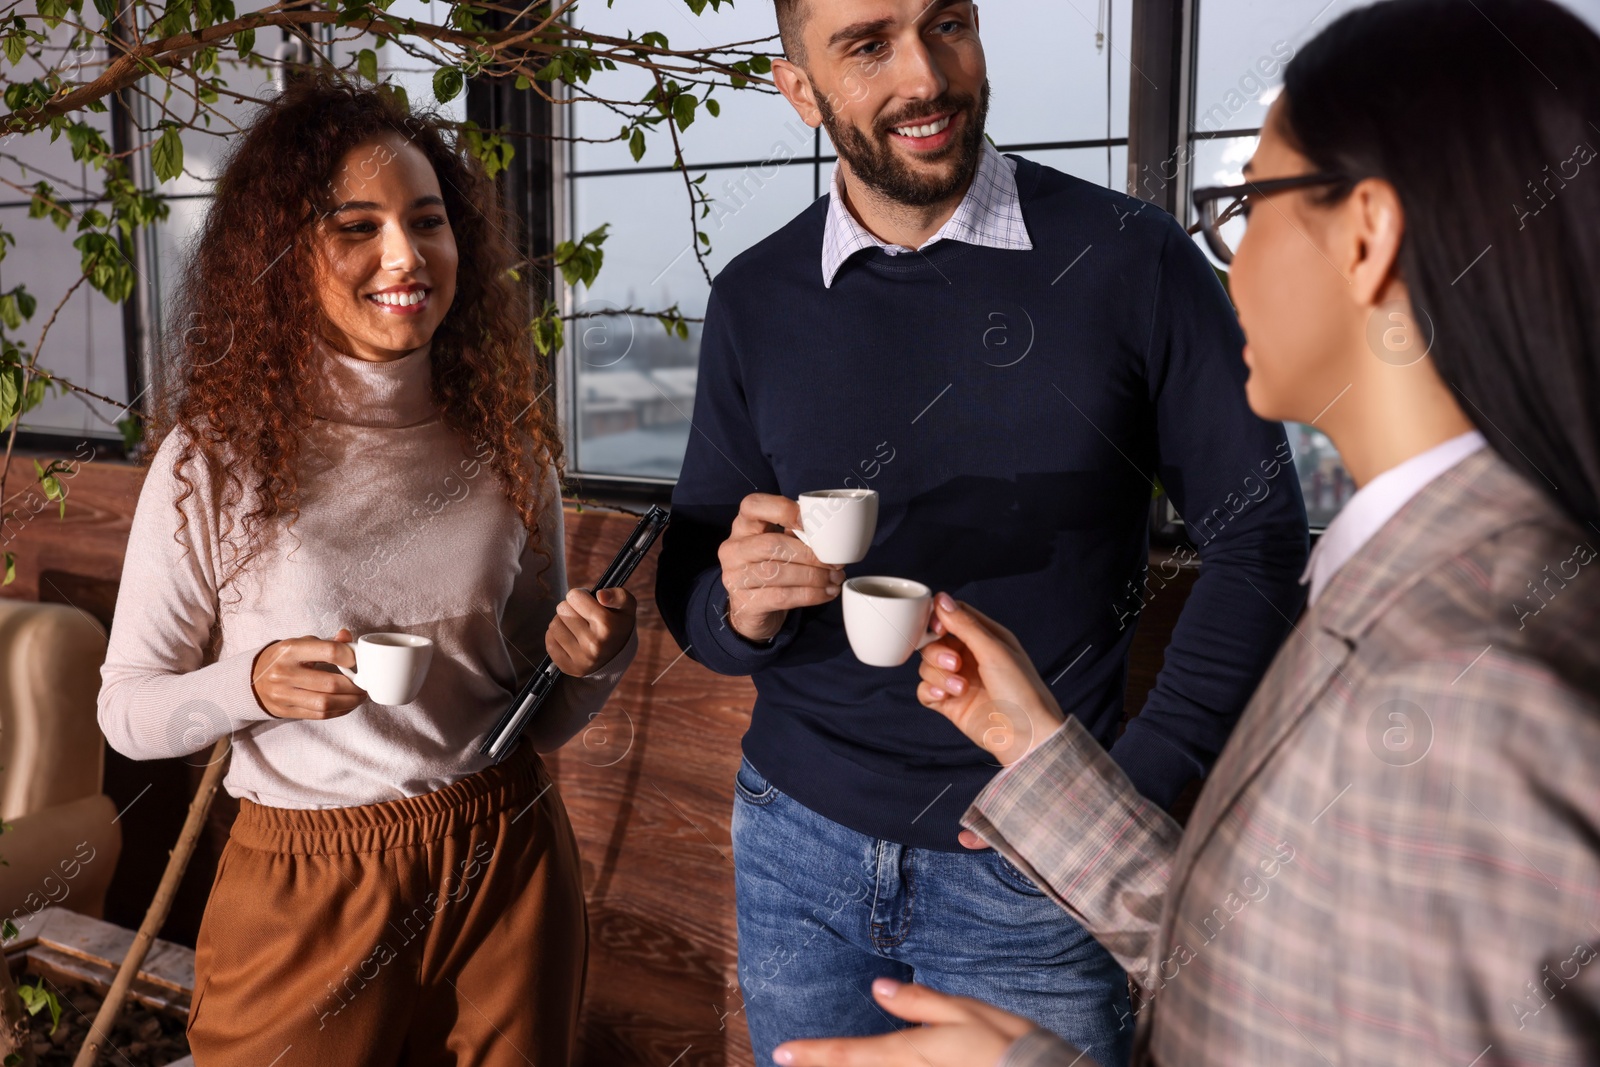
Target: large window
[1240, 50]
[1058, 78]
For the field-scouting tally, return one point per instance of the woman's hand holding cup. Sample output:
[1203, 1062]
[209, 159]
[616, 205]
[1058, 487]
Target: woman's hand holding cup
[589, 629]
[289, 688]
[978, 676]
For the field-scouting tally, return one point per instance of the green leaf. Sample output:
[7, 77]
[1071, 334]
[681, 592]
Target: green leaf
[547, 329]
[36, 999]
[53, 11]
[10, 396]
[350, 11]
[400, 96]
[105, 265]
[492, 150]
[51, 485]
[683, 110]
[45, 205]
[174, 21]
[88, 145]
[636, 144]
[20, 96]
[447, 83]
[523, 82]
[244, 41]
[367, 65]
[132, 431]
[16, 47]
[580, 261]
[714, 107]
[8, 311]
[760, 65]
[31, 397]
[166, 155]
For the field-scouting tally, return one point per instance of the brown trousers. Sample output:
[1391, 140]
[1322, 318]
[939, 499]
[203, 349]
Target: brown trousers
[447, 928]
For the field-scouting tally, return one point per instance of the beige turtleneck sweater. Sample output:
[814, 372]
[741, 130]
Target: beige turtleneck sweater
[402, 527]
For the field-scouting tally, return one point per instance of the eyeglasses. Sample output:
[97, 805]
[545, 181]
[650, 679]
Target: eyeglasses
[1237, 200]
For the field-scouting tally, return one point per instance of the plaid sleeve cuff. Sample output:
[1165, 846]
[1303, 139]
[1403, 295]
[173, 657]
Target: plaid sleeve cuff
[1070, 819]
[1041, 1048]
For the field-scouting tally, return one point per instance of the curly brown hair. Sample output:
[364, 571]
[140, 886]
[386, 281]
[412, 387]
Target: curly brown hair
[238, 365]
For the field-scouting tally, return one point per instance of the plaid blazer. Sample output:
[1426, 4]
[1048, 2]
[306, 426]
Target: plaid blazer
[1397, 857]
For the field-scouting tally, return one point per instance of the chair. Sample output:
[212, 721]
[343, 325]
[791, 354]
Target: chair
[63, 839]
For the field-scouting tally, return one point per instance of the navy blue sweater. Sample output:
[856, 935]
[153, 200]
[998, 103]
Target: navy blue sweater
[1012, 409]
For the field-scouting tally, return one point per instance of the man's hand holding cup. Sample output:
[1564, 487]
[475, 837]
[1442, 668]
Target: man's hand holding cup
[784, 553]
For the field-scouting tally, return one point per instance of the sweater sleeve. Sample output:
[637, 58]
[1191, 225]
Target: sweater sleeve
[722, 464]
[158, 698]
[1231, 476]
[527, 618]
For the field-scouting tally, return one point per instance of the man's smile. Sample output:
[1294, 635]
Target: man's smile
[925, 134]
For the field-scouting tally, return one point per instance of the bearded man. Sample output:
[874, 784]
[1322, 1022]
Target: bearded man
[1010, 357]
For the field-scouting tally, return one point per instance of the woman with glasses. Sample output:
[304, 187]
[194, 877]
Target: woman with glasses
[1396, 859]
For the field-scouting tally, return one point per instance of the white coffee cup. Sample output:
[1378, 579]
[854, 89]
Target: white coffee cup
[838, 524]
[390, 667]
[887, 619]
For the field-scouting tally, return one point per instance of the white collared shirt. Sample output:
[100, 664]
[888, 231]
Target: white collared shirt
[990, 214]
[1376, 503]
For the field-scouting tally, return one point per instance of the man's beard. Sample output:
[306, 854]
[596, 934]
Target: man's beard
[880, 168]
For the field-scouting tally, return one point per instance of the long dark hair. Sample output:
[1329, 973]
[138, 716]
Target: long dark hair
[238, 374]
[1481, 114]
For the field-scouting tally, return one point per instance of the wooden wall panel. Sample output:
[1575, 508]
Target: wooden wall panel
[89, 542]
[648, 787]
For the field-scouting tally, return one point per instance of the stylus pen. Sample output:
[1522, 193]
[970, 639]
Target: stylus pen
[510, 728]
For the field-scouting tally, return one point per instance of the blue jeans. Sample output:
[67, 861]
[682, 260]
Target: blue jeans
[823, 910]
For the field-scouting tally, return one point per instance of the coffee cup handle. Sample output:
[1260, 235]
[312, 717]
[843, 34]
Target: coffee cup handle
[927, 639]
[350, 674]
[805, 539]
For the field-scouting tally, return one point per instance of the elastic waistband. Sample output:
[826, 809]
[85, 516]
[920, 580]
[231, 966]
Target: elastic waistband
[516, 781]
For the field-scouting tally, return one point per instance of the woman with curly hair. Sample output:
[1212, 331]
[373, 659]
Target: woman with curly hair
[351, 434]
